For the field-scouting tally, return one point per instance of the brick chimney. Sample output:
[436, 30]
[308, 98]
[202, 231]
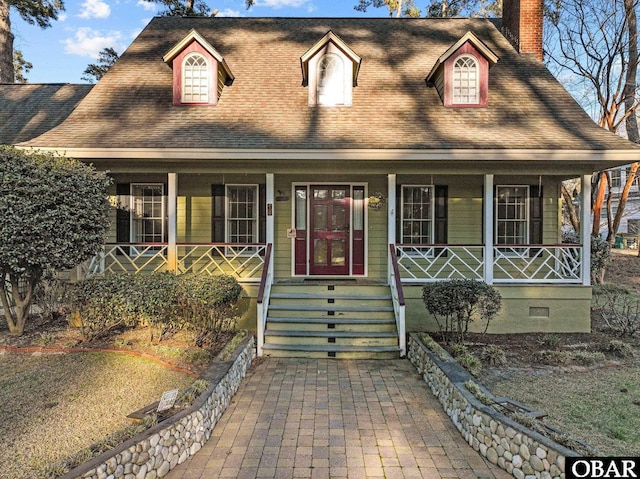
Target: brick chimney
[522, 25]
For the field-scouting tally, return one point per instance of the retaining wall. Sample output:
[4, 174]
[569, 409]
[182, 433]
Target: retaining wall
[520, 451]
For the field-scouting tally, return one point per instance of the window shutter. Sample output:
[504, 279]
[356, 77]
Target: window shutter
[535, 214]
[123, 214]
[217, 213]
[262, 213]
[440, 224]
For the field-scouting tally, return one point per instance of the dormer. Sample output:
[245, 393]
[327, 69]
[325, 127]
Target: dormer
[461, 74]
[199, 71]
[330, 71]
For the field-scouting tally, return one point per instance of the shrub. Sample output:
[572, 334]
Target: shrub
[620, 348]
[550, 341]
[455, 303]
[600, 258]
[553, 358]
[470, 363]
[619, 309]
[164, 301]
[49, 296]
[458, 349]
[587, 358]
[493, 355]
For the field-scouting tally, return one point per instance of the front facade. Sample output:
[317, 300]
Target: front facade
[343, 153]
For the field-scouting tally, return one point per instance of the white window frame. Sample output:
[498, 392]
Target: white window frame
[256, 213]
[616, 177]
[188, 90]
[137, 216]
[431, 212]
[526, 218]
[457, 81]
[335, 94]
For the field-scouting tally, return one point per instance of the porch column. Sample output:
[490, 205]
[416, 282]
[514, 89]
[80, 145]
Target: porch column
[585, 230]
[172, 223]
[270, 198]
[391, 216]
[488, 229]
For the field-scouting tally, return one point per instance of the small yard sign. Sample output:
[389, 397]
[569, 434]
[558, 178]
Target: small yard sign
[168, 400]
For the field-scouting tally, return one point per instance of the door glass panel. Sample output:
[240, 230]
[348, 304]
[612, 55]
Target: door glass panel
[320, 194]
[338, 252]
[338, 194]
[320, 251]
[320, 217]
[339, 218]
[301, 208]
[358, 208]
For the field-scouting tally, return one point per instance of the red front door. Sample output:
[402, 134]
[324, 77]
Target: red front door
[330, 230]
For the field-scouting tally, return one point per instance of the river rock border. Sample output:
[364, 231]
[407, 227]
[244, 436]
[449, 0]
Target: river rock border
[154, 452]
[518, 450]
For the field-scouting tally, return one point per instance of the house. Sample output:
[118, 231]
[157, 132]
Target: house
[336, 165]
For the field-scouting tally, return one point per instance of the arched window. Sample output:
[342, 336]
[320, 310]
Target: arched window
[466, 81]
[195, 79]
[331, 80]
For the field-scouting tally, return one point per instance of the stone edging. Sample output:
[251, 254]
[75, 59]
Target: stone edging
[518, 450]
[154, 452]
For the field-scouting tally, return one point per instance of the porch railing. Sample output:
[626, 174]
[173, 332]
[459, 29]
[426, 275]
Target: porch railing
[244, 261]
[435, 262]
[397, 296]
[560, 263]
[264, 293]
[557, 263]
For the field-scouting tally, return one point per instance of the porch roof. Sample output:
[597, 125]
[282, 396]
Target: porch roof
[267, 106]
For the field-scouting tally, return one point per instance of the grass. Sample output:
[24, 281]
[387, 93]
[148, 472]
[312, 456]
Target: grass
[69, 401]
[601, 407]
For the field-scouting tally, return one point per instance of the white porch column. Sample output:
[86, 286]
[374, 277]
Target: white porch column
[172, 207]
[585, 229]
[391, 219]
[488, 229]
[270, 199]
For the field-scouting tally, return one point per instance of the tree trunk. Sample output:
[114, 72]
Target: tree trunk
[7, 74]
[598, 202]
[571, 209]
[633, 168]
[16, 316]
[630, 86]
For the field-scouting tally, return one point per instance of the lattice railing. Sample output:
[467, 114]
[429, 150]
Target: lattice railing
[427, 263]
[244, 261]
[537, 263]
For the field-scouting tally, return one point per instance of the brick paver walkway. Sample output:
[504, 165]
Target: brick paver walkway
[335, 419]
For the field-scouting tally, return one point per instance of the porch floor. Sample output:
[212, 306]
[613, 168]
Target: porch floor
[323, 418]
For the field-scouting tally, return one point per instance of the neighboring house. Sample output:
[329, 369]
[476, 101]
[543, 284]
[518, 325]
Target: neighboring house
[628, 232]
[357, 158]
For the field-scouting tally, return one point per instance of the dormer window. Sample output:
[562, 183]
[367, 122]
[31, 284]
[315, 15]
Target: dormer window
[195, 79]
[331, 80]
[466, 81]
[330, 70]
[199, 71]
[461, 74]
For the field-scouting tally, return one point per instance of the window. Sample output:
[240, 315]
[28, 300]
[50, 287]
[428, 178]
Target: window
[417, 214]
[636, 178]
[512, 215]
[242, 214]
[195, 79]
[147, 213]
[616, 178]
[633, 227]
[331, 80]
[466, 90]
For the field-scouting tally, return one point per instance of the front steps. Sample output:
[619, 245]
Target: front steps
[341, 320]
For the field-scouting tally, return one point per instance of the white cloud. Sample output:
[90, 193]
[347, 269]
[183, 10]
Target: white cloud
[148, 6]
[281, 3]
[95, 9]
[88, 42]
[227, 12]
[62, 17]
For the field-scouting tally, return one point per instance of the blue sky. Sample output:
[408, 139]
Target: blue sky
[61, 53]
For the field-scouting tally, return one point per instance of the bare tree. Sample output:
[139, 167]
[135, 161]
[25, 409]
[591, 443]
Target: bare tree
[594, 42]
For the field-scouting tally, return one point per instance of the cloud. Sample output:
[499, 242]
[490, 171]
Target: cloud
[148, 6]
[281, 3]
[227, 12]
[95, 9]
[62, 17]
[88, 42]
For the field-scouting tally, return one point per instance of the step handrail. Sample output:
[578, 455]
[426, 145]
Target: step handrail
[264, 293]
[397, 296]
